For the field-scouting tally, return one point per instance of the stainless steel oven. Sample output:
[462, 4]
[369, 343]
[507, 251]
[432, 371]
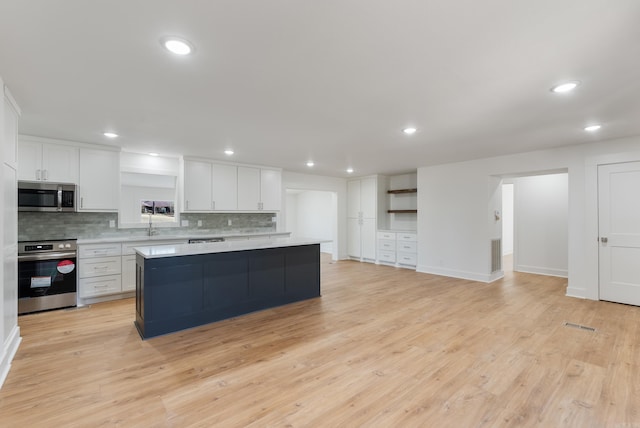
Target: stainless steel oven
[47, 275]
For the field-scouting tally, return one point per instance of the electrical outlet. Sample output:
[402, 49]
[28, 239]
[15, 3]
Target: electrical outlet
[184, 223]
[112, 223]
[199, 223]
[229, 222]
[273, 219]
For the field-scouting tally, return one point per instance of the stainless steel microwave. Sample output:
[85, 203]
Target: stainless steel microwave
[43, 196]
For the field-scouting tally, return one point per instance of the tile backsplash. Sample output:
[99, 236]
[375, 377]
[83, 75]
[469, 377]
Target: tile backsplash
[34, 226]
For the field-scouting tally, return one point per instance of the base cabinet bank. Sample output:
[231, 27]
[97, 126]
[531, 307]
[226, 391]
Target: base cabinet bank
[184, 286]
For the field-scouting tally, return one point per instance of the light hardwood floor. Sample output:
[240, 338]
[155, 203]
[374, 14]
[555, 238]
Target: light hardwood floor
[382, 347]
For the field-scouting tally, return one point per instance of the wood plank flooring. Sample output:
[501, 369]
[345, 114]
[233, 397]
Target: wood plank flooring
[382, 347]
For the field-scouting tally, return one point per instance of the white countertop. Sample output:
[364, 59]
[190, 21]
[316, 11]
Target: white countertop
[173, 250]
[177, 237]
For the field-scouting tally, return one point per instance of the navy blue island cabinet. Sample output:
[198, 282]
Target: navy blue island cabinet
[176, 292]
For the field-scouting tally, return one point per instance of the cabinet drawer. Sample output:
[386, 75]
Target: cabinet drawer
[407, 259]
[387, 256]
[408, 237]
[99, 250]
[384, 244]
[387, 235]
[407, 247]
[103, 285]
[99, 266]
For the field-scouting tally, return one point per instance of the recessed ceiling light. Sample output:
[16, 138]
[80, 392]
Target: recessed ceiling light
[153, 154]
[409, 131]
[110, 134]
[565, 87]
[349, 170]
[228, 152]
[310, 164]
[592, 128]
[177, 45]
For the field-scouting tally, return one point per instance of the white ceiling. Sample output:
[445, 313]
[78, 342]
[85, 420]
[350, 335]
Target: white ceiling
[335, 81]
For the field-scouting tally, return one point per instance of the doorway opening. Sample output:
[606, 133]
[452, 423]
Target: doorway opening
[313, 214]
[535, 223]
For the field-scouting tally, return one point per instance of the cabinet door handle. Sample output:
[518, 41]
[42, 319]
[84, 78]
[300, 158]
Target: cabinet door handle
[45, 174]
[213, 205]
[186, 203]
[81, 201]
[38, 174]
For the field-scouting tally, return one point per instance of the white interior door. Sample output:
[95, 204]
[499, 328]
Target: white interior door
[619, 230]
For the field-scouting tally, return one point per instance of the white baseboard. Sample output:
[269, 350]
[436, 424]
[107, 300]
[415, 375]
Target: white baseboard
[578, 293]
[538, 270]
[453, 273]
[10, 348]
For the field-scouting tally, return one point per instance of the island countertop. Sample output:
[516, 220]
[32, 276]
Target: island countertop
[174, 250]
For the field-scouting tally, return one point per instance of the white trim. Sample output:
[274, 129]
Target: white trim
[539, 270]
[46, 140]
[453, 273]
[12, 101]
[11, 347]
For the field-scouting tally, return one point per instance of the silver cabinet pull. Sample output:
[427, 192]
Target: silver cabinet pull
[604, 240]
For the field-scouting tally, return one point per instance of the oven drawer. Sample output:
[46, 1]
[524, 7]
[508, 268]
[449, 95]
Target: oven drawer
[100, 286]
[99, 266]
[99, 250]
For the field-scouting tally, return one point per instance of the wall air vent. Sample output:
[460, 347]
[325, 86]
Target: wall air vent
[496, 255]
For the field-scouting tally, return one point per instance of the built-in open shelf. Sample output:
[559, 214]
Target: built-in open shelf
[395, 192]
[402, 211]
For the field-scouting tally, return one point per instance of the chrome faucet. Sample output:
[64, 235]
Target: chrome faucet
[152, 231]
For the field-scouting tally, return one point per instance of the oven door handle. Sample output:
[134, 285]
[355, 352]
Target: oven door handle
[47, 256]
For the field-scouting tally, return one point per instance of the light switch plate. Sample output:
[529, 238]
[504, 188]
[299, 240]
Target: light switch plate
[184, 223]
[112, 223]
[199, 223]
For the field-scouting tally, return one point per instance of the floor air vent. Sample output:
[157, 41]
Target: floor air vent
[578, 326]
[496, 255]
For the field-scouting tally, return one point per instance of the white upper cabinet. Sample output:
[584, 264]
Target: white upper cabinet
[270, 189]
[353, 201]
[248, 188]
[197, 186]
[99, 180]
[225, 181]
[362, 200]
[213, 186]
[47, 162]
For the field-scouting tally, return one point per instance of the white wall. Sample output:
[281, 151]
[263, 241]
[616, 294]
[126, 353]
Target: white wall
[456, 203]
[541, 221]
[507, 219]
[312, 214]
[293, 180]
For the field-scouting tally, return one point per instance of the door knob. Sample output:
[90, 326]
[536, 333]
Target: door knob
[604, 240]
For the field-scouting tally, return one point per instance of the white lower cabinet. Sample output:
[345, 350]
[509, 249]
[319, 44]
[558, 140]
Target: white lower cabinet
[100, 286]
[99, 270]
[129, 273]
[397, 248]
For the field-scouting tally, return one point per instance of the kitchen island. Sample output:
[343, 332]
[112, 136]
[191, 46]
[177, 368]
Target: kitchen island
[187, 285]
